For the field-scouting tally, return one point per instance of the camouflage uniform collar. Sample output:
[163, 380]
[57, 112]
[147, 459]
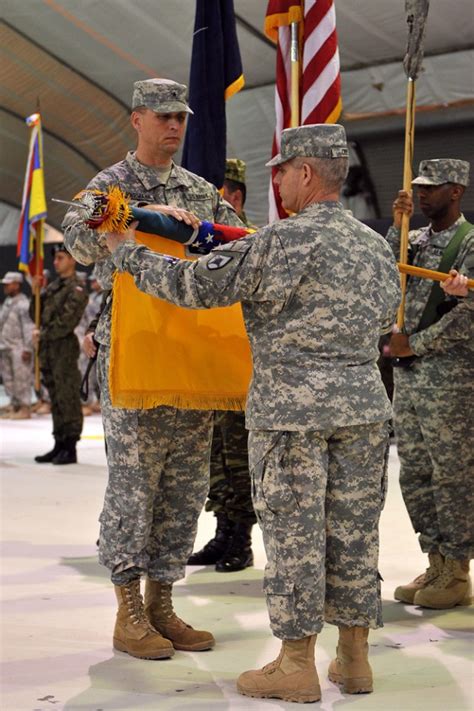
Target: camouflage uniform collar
[451, 228]
[322, 205]
[151, 177]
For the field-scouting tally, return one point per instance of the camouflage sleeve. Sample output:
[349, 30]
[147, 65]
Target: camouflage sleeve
[246, 270]
[26, 325]
[68, 317]
[458, 324]
[86, 246]
[393, 297]
[393, 238]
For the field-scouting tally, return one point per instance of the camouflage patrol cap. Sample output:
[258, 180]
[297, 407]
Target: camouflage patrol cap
[161, 95]
[318, 140]
[235, 170]
[13, 278]
[442, 170]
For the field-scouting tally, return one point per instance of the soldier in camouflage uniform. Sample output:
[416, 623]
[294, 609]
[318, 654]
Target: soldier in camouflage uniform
[92, 310]
[154, 455]
[62, 305]
[229, 494]
[433, 430]
[317, 290]
[16, 348]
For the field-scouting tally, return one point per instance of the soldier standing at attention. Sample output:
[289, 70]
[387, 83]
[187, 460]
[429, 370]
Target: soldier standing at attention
[229, 492]
[16, 348]
[147, 525]
[434, 431]
[317, 290]
[62, 305]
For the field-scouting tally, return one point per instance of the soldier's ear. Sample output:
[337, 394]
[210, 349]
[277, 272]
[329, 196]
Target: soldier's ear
[457, 191]
[136, 120]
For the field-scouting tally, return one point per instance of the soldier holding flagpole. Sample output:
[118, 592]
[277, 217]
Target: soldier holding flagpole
[434, 357]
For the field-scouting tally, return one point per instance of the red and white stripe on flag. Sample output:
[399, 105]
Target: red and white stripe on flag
[320, 80]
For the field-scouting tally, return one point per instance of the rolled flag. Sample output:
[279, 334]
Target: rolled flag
[111, 212]
[417, 12]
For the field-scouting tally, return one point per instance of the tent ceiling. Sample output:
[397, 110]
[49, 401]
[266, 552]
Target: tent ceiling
[81, 58]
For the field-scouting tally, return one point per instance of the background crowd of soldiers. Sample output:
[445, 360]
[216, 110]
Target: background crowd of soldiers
[67, 308]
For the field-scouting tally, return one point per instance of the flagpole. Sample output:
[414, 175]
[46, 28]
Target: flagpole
[416, 14]
[38, 243]
[407, 178]
[295, 76]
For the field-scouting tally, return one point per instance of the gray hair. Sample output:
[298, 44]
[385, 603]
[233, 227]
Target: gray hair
[331, 171]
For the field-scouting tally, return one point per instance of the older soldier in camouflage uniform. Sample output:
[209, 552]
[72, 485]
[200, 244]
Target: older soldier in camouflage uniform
[62, 305]
[317, 290]
[16, 348]
[229, 494]
[147, 524]
[434, 431]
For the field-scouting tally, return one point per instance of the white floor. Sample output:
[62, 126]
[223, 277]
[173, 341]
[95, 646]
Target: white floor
[58, 608]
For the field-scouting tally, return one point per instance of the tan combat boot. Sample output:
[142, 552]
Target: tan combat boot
[23, 413]
[44, 409]
[133, 633]
[406, 593]
[351, 668]
[292, 676]
[451, 588]
[159, 610]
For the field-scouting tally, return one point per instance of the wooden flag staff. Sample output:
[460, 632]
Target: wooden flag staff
[428, 274]
[407, 178]
[417, 11]
[295, 76]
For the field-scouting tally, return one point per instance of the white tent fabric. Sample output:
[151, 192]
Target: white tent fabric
[79, 60]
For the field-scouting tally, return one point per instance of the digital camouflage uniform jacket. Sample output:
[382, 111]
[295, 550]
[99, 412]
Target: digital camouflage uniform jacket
[143, 186]
[446, 348]
[16, 326]
[317, 290]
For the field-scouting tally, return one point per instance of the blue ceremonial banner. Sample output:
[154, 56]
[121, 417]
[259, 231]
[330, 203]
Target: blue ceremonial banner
[216, 74]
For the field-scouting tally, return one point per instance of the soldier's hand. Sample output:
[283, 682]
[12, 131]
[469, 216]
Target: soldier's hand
[456, 284]
[114, 239]
[26, 356]
[178, 213]
[399, 346]
[88, 345]
[403, 205]
[36, 282]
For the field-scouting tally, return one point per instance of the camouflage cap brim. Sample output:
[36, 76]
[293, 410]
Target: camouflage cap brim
[172, 107]
[421, 180]
[276, 160]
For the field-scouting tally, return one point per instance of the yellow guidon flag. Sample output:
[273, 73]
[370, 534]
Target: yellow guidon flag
[163, 354]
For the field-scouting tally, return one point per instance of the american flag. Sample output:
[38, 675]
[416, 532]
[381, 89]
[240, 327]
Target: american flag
[320, 80]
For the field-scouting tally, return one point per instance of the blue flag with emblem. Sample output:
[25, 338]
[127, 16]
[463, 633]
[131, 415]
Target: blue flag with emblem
[216, 75]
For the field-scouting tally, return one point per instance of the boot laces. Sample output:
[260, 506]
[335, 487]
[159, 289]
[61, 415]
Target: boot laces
[273, 666]
[166, 607]
[430, 574]
[135, 607]
[447, 575]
